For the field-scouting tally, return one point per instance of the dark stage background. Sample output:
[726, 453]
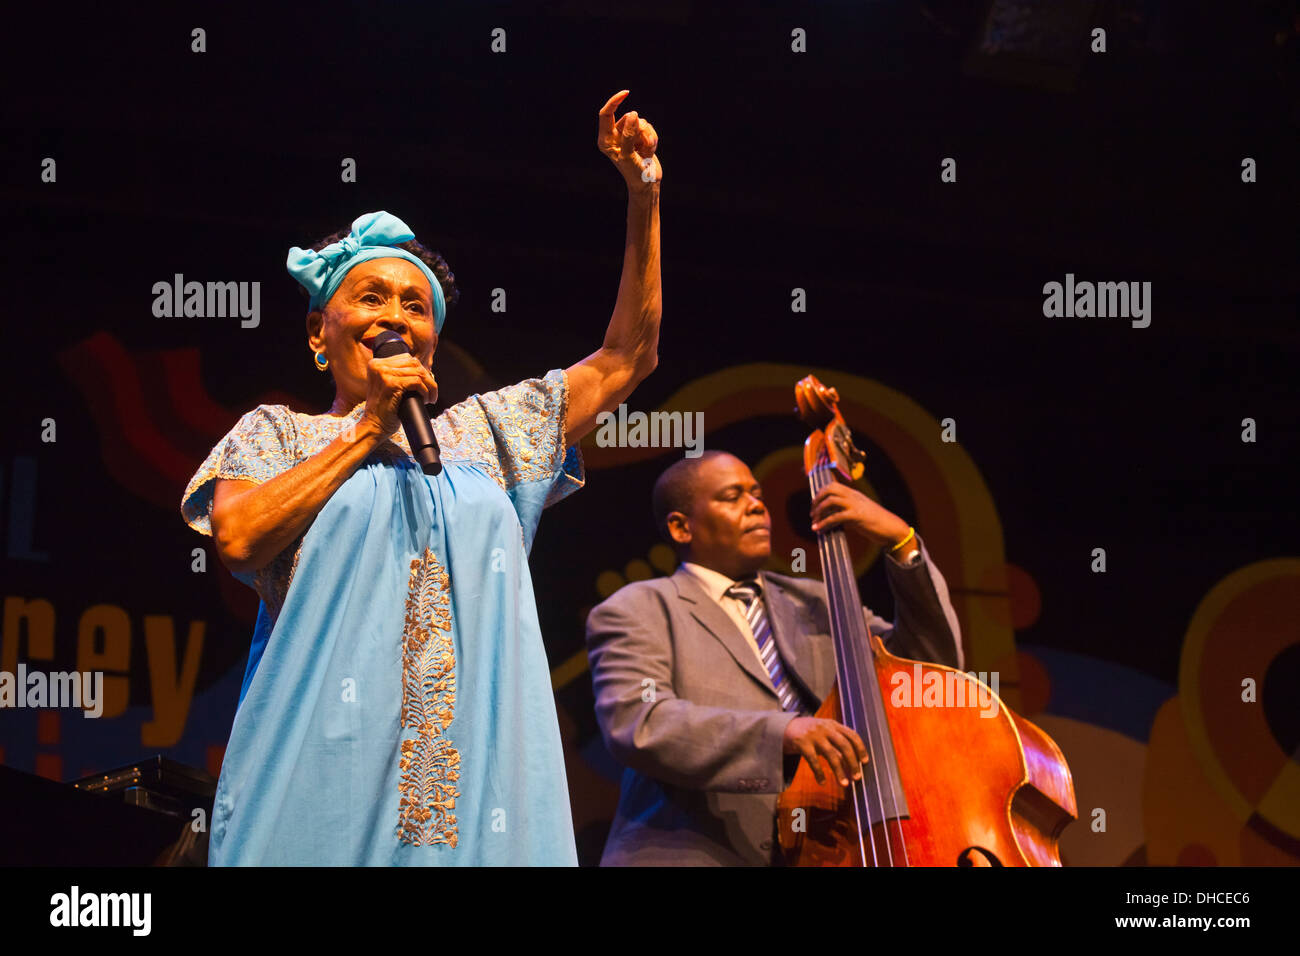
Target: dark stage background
[816, 170]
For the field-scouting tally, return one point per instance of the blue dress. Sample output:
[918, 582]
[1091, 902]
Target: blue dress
[397, 706]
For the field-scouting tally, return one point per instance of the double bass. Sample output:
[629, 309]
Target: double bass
[945, 785]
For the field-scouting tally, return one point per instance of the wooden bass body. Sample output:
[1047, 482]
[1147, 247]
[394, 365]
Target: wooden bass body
[980, 790]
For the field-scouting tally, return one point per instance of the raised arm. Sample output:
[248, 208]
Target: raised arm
[629, 353]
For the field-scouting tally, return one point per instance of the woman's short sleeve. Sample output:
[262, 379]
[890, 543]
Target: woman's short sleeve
[261, 445]
[517, 434]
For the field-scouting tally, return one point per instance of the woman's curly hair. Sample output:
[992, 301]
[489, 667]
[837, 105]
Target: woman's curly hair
[435, 262]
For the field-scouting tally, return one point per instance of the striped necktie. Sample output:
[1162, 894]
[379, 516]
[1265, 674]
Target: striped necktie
[748, 593]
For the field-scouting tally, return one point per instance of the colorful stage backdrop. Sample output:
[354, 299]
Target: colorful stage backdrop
[1110, 502]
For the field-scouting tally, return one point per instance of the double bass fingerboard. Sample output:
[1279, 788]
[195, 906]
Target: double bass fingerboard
[879, 796]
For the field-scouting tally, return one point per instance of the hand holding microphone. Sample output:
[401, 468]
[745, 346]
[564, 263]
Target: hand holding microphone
[399, 390]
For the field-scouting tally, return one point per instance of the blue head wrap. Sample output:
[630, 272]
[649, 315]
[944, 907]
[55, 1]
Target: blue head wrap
[373, 236]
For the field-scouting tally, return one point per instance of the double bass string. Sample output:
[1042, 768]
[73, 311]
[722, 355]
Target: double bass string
[851, 648]
[850, 705]
[861, 804]
[839, 568]
[837, 571]
[872, 690]
[879, 721]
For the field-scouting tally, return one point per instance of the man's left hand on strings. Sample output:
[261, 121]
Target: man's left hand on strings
[839, 505]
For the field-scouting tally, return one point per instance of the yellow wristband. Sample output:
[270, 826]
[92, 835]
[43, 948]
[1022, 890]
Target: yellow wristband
[911, 533]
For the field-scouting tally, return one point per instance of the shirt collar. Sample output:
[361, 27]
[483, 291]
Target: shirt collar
[715, 582]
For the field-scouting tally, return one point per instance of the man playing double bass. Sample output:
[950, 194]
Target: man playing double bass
[706, 680]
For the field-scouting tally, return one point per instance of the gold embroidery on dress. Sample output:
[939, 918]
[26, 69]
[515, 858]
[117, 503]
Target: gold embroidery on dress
[514, 435]
[430, 765]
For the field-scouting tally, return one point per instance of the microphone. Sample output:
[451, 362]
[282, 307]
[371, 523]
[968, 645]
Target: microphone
[415, 421]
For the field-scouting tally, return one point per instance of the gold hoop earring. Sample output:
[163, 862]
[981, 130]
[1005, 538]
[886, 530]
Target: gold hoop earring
[320, 361]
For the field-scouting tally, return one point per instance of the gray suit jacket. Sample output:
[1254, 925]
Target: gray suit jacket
[684, 704]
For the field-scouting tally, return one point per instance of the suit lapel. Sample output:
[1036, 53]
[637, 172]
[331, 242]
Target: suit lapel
[715, 620]
[783, 615]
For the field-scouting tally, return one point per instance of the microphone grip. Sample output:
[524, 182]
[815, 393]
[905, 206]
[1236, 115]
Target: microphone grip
[415, 420]
[419, 434]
